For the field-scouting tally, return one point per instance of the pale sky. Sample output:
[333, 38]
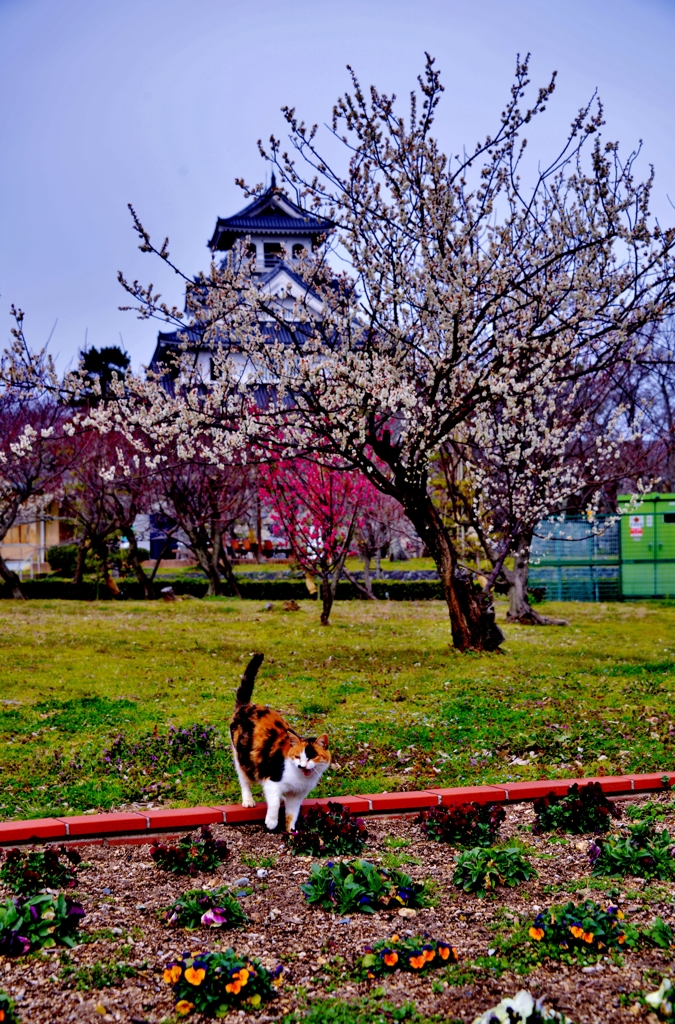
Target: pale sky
[160, 103]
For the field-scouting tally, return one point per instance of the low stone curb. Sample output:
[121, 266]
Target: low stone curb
[143, 826]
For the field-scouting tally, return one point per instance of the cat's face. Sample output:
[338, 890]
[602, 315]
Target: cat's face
[310, 757]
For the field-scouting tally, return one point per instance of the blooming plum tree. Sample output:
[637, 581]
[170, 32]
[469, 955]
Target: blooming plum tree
[467, 291]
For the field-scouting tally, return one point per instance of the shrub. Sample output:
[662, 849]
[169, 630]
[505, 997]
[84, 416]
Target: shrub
[414, 954]
[27, 873]
[357, 885]
[62, 559]
[39, 922]
[8, 1014]
[482, 869]
[330, 830]
[213, 983]
[190, 856]
[521, 1009]
[464, 825]
[583, 809]
[644, 853]
[582, 929]
[214, 908]
[102, 974]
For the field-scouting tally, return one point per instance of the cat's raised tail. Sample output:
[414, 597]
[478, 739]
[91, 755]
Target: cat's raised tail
[245, 690]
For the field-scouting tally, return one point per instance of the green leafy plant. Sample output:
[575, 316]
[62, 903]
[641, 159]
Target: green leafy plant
[102, 974]
[27, 873]
[467, 825]
[658, 934]
[213, 983]
[584, 809]
[644, 853]
[410, 953]
[213, 908]
[481, 870]
[357, 885]
[8, 1014]
[251, 861]
[649, 811]
[325, 831]
[190, 855]
[583, 928]
[39, 922]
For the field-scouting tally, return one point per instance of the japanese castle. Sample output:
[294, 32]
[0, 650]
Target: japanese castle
[278, 231]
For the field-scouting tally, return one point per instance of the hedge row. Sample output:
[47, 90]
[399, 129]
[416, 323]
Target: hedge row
[255, 590]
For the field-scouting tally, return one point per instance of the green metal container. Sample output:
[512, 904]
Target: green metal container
[576, 560]
[648, 546]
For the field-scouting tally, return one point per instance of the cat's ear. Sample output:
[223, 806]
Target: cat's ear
[323, 740]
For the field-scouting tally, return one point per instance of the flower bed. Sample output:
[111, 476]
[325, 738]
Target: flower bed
[411, 953]
[482, 870]
[51, 868]
[585, 808]
[357, 885]
[212, 908]
[213, 983]
[190, 855]
[324, 978]
[467, 825]
[328, 831]
[38, 922]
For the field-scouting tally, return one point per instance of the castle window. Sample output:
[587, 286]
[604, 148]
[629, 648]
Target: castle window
[252, 250]
[297, 251]
[272, 253]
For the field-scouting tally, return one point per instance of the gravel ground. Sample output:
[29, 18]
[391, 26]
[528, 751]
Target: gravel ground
[121, 889]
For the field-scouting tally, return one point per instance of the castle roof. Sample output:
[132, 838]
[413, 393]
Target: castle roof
[272, 213]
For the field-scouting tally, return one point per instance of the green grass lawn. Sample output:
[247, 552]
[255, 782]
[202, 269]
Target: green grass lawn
[402, 708]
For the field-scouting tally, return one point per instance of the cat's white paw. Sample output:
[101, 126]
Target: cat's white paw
[247, 800]
[271, 823]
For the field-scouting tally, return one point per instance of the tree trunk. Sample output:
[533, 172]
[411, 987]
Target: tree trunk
[9, 576]
[223, 562]
[148, 589]
[158, 560]
[366, 576]
[520, 609]
[328, 584]
[202, 550]
[79, 565]
[472, 613]
[327, 597]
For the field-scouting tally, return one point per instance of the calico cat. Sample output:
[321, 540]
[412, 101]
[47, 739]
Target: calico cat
[268, 751]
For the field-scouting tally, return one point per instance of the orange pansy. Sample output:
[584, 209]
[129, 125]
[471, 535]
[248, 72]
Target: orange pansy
[536, 933]
[195, 976]
[183, 1007]
[390, 959]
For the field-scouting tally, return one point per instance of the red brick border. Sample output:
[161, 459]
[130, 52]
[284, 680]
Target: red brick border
[143, 826]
